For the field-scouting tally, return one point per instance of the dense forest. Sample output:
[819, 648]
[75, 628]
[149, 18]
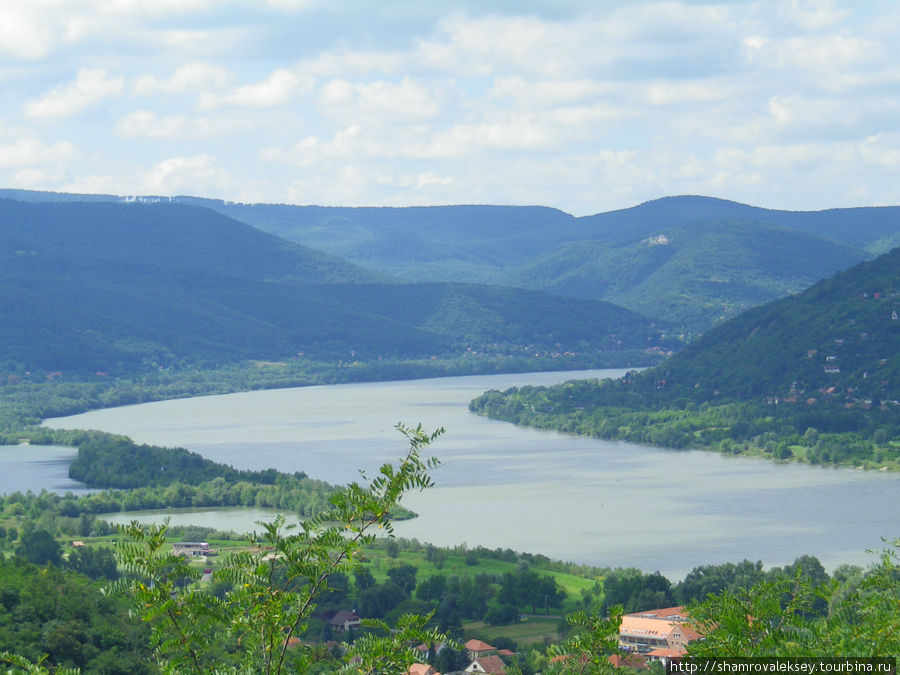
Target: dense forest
[691, 260]
[104, 289]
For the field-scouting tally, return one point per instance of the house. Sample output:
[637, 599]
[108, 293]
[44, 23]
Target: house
[478, 648]
[421, 669]
[344, 621]
[487, 664]
[668, 628]
[190, 548]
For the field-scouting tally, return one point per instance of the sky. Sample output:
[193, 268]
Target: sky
[582, 105]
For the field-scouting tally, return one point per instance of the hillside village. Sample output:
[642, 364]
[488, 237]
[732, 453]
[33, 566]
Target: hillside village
[647, 637]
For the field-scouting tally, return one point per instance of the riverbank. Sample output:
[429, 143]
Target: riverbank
[27, 399]
[787, 433]
[598, 502]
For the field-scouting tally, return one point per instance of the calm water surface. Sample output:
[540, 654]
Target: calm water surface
[36, 468]
[579, 499]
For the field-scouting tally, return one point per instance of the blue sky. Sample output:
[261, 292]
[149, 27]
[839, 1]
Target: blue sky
[584, 106]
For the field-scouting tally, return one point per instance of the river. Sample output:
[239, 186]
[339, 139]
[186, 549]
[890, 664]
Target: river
[578, 499]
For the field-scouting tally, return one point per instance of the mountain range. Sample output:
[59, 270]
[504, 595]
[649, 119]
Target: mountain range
[92, 286]
[692, 261]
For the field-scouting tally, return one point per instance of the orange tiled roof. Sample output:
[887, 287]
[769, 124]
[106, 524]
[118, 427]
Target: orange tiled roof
[671, 613]
[421, 669]
[474, 645]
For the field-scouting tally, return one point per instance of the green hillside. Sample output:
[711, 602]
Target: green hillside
[814, 377]
[121, 288]
[691, 274]
[720, 257]
[841, 333]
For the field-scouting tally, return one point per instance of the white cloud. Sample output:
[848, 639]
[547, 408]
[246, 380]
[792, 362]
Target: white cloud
[583, 105]
[35, 29]
[147, 124]
[89, 88]
[198, 174]
[815, 14]
[276, 89]
[378, 101]
[31, 152]
[678, 93]
[194, 175]
[190, 77]
[547, 93]
[292, 5]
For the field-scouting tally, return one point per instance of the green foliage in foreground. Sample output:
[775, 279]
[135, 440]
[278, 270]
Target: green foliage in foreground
[49, 613]
[800, 617]
[263, 599]
[275, 588]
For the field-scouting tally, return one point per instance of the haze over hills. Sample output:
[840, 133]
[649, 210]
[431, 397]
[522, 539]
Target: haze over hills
[693, 260]
[93, 286]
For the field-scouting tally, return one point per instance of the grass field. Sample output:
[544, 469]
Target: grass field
[527, 632]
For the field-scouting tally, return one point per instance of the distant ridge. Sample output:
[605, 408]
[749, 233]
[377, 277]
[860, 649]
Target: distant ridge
[716, 258]
[122, 288]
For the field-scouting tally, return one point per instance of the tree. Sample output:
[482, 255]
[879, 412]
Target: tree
[392, 548]
[263, 613]
[404, 576]
[93, 562]
[377, 601]
[527, 587]
[504, 614]
[432, 588]
[594, 637]
[363, 578]
[796, 616]
[39, 547]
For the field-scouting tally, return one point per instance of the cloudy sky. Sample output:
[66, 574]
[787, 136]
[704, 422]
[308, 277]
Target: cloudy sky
[584, 105]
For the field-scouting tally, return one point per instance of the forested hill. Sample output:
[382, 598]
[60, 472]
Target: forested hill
[766, 382]
[838, 340]
[692, 260]
[120, 288]
[157, 238]
[692, 274]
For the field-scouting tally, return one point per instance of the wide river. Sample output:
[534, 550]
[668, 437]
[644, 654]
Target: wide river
[576, 499]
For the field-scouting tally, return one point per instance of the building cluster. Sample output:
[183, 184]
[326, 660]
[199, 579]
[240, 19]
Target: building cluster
[660, 635]
[644, 637]
[484, 658]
